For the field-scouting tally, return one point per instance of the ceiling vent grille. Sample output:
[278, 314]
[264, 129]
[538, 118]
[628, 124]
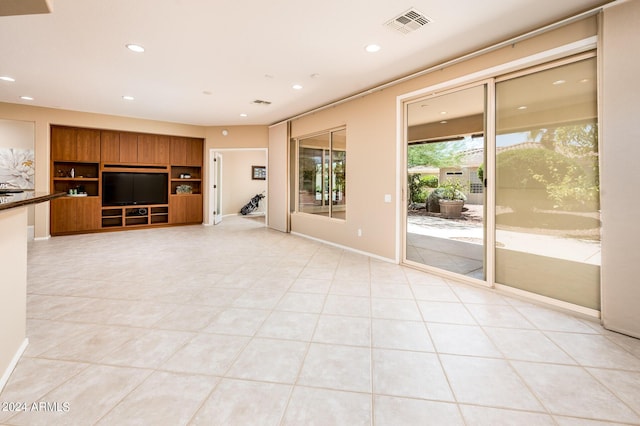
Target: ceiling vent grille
[261, 102]
[408, 21]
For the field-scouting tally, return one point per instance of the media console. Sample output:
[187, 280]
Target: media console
[123, 180]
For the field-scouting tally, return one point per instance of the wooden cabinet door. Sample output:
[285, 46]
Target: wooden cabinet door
[178, 155]
[88, 145]
[128, 148]
[63, 216]
[146, 148]
[177, 210]
[70, 214]
[63, 144]
[109, 146]
[162, 151]
[194, 152]
[88, 213]
[185, 209]
[154, 149]
[193, 208]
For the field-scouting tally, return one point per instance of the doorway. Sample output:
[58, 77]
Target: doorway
[233, 181]
[445, 156]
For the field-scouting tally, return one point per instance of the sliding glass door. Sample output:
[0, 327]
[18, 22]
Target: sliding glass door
[547, 187]
[541, 177]
[445, 151]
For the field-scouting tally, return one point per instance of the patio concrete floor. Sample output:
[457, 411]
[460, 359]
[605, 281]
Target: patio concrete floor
[458, 246]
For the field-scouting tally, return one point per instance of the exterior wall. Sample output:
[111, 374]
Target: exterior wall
[620, 175]
[372, 160]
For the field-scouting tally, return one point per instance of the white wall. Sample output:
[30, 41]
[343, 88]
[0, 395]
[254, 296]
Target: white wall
[620, 174]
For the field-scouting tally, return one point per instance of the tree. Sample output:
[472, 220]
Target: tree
[436, 154]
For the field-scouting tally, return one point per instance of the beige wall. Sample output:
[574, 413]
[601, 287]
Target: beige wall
[620, 174]
[372, 145]
[13, 287]
[278, 170]
[17, 134]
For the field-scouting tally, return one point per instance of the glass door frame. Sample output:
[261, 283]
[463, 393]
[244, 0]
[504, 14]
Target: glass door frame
[489, 197]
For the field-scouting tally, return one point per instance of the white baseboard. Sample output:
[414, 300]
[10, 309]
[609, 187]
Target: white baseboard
[12, 365]
[48, 237]
[364, 253]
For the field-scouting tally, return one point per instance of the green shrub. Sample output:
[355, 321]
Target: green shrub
[430, 181]
[542, 178]
[418, 187]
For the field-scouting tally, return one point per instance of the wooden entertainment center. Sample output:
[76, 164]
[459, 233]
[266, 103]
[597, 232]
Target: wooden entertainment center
[80, 156]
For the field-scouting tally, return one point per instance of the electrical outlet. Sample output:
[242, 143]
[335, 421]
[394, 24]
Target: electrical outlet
[359, 232]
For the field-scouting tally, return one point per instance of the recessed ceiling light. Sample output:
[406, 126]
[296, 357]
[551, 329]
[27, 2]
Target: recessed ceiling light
[135, 48]
[444, 122]
[296, 87]
[372, 48]
[26, 98]
[584, 80]
[559, 82]
[243, 115]
[522, 107]
[128, 98]
[7, 78]
[443, 112]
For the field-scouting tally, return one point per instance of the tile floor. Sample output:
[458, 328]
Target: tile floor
[237, 324]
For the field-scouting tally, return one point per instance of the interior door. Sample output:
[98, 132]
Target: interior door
[445, 157]
[217, 188]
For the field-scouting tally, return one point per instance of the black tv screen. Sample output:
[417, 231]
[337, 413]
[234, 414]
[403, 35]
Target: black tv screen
[127, 188]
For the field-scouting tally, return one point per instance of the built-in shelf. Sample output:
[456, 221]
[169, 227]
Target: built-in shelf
[128, 216]
[79, 156]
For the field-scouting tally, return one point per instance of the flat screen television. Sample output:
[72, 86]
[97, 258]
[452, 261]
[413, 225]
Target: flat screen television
[130, 188]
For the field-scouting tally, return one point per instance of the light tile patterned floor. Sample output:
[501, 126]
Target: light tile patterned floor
[237, 324]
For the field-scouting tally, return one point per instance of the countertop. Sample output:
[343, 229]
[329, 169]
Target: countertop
[13, 200]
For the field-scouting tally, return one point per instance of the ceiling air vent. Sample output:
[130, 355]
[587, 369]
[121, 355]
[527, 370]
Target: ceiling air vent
[261, 102]
[408, 21]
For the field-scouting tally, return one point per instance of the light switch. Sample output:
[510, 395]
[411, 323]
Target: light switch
[387, 198]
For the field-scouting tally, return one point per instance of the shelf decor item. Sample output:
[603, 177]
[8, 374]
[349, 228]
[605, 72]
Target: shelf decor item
[184, 189]
[258, 172]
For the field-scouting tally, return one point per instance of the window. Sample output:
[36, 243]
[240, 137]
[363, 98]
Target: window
[322, 177]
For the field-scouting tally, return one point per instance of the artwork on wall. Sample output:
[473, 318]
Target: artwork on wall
[17, 168]
[258, 172]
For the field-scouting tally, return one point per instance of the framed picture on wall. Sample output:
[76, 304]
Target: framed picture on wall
[258, 172]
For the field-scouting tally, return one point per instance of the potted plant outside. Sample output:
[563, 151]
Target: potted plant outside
[452, 199]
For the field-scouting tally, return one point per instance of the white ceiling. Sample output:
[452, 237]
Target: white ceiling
[206, 61]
